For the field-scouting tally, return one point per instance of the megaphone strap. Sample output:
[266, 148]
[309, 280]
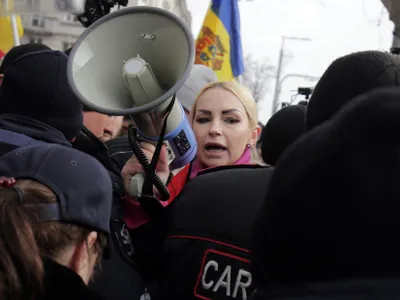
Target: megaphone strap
[149, 176]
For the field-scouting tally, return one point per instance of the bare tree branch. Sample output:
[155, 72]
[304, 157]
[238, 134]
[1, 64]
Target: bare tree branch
[256, 76]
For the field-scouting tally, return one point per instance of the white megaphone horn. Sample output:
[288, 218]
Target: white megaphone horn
[133, 62]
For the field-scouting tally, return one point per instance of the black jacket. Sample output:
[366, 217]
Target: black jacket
[352, 289]
[62, 283]
[119, 278]
[210, 234]
[29, 128]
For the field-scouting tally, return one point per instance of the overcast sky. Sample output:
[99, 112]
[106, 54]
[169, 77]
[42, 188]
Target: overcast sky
[335, 27]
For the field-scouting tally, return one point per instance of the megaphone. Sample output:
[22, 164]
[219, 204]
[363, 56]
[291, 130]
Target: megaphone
[132, 62]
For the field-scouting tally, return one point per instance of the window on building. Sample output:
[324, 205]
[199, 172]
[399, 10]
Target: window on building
[38, 21]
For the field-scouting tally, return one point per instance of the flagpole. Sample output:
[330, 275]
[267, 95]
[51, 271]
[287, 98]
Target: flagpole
[15, 30]
[14, 25]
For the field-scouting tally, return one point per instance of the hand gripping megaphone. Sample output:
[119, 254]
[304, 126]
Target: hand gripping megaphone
[132, 62]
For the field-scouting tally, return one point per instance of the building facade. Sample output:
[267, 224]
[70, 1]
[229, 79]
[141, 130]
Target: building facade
[60, 30]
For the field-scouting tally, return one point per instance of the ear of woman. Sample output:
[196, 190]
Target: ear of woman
[84, 257]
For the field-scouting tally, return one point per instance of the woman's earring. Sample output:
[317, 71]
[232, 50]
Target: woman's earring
[248, 145]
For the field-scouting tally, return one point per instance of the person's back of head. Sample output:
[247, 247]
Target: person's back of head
[331, 212]
[55, 205]
[35, 86]
[281, 130]
[350, 76]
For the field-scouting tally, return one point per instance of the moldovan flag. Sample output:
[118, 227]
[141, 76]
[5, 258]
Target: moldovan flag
[219, 45]
[6, 32]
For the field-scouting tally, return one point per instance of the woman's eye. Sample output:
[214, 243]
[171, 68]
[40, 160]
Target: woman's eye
[202, 120]
[231, 120]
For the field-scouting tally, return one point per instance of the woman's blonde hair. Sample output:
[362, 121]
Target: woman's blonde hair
[240, 91]
[245, 97]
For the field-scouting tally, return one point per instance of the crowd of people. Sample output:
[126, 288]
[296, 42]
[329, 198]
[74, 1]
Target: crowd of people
[304, 207]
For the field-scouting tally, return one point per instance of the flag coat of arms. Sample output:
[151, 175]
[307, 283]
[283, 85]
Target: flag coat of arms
[219, 45]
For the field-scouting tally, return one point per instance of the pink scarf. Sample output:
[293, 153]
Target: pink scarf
[137, 216]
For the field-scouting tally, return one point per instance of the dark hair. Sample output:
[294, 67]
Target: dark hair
[24, 240]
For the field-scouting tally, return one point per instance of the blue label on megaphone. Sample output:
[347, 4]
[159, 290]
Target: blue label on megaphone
[181, 140]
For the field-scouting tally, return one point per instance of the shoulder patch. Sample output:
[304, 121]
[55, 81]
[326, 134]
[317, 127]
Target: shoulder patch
[123, 241]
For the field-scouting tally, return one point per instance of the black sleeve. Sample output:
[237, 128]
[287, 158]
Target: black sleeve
[148, 241]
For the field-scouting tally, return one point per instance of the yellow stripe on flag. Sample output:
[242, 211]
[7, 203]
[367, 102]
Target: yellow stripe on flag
[6, 33]
[6, 30]
[213, 47]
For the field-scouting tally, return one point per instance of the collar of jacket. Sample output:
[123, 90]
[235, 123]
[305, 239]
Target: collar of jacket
[62, 283]
[32, 128]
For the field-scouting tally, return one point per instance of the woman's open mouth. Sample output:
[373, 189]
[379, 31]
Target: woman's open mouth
[214, 148]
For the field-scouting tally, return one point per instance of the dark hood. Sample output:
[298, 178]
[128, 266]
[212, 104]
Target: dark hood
[332, 209]
[35, 85]
[348, 77]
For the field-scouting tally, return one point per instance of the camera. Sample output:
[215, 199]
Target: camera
[95, 9]
[305, 91]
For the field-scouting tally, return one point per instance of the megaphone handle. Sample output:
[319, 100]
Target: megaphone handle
[136, 185]
[137, 180]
